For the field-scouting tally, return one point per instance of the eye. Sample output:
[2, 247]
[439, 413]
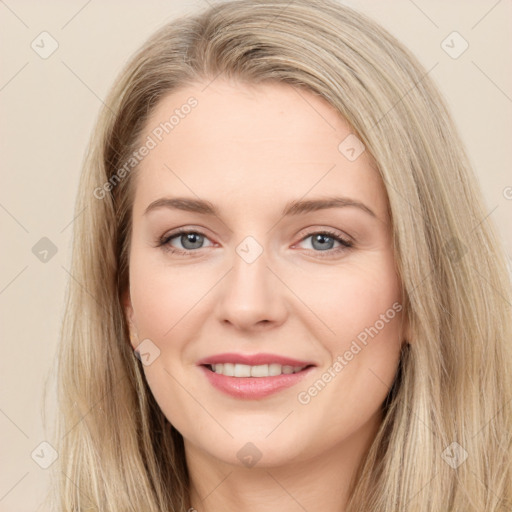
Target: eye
[323, 242]
[189, 240]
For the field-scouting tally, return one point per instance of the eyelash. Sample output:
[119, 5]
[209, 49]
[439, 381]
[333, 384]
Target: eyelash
[345, 244]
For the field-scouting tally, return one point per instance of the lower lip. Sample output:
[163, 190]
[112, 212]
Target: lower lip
[253, 387]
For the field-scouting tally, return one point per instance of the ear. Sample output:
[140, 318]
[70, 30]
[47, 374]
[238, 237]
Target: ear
[129, 316]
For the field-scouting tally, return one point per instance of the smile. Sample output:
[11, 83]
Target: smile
[262, 370]
[253, 382]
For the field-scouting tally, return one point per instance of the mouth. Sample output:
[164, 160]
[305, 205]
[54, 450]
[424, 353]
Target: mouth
[257, 371]
[248, 382]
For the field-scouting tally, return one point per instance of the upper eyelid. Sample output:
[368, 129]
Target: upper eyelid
[168, 238]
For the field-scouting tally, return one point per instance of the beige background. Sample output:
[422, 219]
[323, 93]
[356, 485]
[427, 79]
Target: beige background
[48, 107]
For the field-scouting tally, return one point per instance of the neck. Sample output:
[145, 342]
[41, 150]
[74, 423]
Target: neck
[320, 482]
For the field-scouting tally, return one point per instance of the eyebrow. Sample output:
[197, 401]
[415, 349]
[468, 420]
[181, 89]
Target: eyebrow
[292, 208]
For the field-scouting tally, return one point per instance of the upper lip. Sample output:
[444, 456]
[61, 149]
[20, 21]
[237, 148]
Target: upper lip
[253, 359]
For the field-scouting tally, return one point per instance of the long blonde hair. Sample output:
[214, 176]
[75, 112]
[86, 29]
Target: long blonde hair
[118, 452]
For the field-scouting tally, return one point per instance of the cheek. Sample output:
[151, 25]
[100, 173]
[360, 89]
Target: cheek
[163, 299]
[353, 298]
[364, 312]
[376, 318]
[162, 295]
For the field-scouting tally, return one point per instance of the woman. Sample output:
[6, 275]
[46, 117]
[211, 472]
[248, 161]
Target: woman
[284, 291]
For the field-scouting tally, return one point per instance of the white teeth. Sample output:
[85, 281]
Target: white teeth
[262, 370]
[229, 369]
[259, 371]
[274, 369]
[242, 370]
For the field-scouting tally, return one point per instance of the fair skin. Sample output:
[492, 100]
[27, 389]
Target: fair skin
[250, 150]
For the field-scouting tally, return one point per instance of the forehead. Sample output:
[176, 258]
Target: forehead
[262, 142]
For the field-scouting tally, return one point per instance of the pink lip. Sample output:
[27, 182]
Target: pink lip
[252, 360]
[253, 387]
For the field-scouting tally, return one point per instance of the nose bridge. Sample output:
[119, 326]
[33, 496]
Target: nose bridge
[251, 293]
[250, 267]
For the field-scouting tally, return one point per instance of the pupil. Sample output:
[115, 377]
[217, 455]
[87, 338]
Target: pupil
[322, 239]
[192, 238]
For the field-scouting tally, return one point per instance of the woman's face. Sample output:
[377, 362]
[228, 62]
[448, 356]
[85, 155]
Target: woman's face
[257, 276]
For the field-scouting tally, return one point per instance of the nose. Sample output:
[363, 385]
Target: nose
[251, 296]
